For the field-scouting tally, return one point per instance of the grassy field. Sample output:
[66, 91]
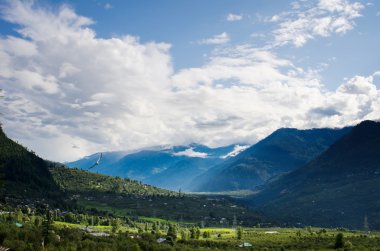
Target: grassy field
[262, 238]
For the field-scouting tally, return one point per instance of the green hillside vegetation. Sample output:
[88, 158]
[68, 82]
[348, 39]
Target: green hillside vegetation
[338, 188]
[101, 194]
[76, 180]
[24, 176]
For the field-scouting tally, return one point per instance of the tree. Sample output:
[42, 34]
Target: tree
[197, 233]
[206, 234]
[339, 243]
[183, 235]
[192, 233]
[239, 233]
[46, 224]
[154, 227]
[172, 232]
[115, 225]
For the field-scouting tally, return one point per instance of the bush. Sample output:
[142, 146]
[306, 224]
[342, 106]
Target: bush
[339, 241]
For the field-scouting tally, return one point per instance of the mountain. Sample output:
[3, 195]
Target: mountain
[108, 158]
[338, 188]
[167, 167]
[284, 150]
[24, 176]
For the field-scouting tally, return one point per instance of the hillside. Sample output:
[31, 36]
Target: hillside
[170, 168]
[284, 150]
[24, 176]
[79, 181]
[101, 194]
[338, 188]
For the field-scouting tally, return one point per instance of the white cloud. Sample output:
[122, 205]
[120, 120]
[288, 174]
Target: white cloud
[359, 85]
[326, 18]
[237, 149]
[66, 87]
[217, 39]
[191, 153]
[234, 17]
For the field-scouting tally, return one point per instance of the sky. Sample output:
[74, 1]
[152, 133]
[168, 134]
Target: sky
[80, 77]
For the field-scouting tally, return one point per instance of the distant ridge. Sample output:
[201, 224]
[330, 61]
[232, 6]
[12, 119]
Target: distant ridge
[166, 167]
[338, 188]
[284, 150]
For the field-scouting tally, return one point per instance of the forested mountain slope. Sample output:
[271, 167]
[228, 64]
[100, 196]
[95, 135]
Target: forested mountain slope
[24, 175]
[284, 150]
[338, 188]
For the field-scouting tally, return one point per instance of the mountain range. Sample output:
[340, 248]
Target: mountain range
[319, 177]
[167, 167]
[340, 187]
[282, 151]
[200, 168]
[28, 181]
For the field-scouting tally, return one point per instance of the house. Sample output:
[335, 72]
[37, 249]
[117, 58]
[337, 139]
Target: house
[101, 234]
[161, 240]
[271, 232]
[245, 244]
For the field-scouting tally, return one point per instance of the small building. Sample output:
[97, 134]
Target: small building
[271, 232]
[245, 245]
[101, 234]
[161, 240]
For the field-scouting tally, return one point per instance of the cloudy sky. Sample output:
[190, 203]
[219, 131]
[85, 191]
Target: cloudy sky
[80, 77]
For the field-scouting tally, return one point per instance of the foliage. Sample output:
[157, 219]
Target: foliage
[25, 176]
[239, 233]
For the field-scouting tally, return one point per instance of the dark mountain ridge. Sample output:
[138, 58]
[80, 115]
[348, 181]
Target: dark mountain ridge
[284, 150]
[337, 188]
[24, 175]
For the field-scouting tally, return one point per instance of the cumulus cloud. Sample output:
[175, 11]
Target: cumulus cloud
[217, 39]
[234, 17]
[65, 81]
[326, 18]
[65, 86]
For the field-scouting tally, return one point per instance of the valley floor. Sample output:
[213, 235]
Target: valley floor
[143, 235]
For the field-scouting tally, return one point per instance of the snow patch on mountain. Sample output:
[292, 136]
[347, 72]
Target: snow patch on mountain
[191, 153]
[237, 149]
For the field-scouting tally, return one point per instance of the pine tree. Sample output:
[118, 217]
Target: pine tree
[192, 233]
[46, 224]
[239, 233]
[339, 243]
[172, 232]
[197, 233]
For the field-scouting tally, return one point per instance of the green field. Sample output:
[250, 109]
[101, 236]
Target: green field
[261, 238]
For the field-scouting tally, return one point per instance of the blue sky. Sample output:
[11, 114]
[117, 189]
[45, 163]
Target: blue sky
[183, 23]
[119, 75]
